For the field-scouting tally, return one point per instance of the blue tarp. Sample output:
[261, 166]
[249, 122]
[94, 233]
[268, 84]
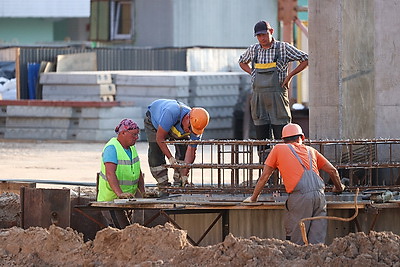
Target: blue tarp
[33, 76]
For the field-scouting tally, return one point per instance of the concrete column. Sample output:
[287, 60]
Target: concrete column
[353, 63]
[387, 62]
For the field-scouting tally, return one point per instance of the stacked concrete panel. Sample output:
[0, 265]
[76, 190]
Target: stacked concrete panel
[143, 87]
[52, 121]
[77, 86]
[218, 93]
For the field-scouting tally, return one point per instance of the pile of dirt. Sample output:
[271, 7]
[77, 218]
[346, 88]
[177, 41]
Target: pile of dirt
[9, 210]
[167, 246]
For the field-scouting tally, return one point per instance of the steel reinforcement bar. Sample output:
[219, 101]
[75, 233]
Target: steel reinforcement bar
[239, 163]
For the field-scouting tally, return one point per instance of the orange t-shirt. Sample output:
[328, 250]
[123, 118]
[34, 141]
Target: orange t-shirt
[282, 158]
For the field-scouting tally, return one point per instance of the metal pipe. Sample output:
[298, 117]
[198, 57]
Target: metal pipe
[49, 182]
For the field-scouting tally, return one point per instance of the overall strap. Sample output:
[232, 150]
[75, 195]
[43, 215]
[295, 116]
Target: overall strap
[298, 157]
[277, 54]
[254, 58]
[180, 111]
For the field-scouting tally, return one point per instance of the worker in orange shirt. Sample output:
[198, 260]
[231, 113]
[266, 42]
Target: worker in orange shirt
[299, 166]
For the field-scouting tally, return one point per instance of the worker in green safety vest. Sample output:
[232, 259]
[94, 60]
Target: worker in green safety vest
[120, 175]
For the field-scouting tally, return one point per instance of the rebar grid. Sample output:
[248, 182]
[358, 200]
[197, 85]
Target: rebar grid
[236, 163]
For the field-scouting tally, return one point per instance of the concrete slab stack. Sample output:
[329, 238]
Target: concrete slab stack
[80, 112]
[143, 87]
[54, 120]
[218, 93]
[78, 86]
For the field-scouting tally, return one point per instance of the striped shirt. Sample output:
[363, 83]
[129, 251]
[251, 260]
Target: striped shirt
[287, 53]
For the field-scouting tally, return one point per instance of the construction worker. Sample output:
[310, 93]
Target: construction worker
[299, 166]
[269, 102]
[120, 175]
[173, 120]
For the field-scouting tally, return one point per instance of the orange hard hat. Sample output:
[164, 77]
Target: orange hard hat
[292, 129]
[199, 119]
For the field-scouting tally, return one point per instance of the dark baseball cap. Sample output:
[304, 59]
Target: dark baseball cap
[261, 27]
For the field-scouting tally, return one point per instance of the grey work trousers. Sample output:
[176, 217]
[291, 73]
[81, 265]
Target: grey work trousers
[307, 200]
[299, 206]
[116, 218]
[156, 157]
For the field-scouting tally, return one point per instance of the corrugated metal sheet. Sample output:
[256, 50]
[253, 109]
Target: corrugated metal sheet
[270, 224]
[8, 54]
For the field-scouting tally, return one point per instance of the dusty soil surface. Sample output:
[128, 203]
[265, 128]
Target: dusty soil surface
[167, 246]
[62, 161]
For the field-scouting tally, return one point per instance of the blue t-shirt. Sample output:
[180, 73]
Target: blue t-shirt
[110, 154]
[169, 113]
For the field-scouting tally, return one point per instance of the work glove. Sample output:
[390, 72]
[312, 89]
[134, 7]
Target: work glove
[339, 190]
[172, 160]
[125, 195]
[248, 200]
[185, 180]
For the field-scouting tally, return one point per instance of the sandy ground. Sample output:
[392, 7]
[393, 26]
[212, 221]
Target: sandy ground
[60, 161]
[80, 161]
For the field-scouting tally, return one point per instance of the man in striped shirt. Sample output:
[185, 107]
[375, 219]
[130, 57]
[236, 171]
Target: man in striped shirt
[269, 60]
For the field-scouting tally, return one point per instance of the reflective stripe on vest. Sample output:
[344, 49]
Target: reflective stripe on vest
[178, 134]
[120, 182]
[127, 172]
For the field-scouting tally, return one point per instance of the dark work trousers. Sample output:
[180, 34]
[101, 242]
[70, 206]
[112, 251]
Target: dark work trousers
[267, 131]
[116, 218]
[156, 157]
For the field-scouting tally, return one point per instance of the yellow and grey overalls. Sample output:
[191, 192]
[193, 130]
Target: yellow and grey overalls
[269, 102]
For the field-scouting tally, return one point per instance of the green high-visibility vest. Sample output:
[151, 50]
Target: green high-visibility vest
[128, 172]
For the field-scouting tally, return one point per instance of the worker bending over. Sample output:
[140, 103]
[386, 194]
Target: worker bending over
[168, 119]
[299, 166]
[120, 175]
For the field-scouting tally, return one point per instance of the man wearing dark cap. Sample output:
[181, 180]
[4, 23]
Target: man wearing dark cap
[120, 175]
[269, 60]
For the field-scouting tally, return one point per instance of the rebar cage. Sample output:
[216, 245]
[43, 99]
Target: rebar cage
[237, 164]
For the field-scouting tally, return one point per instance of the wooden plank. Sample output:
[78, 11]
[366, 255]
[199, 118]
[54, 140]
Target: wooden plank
[44, 207]
[14, 187]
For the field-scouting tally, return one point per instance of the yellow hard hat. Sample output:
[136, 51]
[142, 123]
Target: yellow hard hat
[292, 129]
[199, 119]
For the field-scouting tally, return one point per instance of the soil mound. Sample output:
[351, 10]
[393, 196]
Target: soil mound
[166, 246]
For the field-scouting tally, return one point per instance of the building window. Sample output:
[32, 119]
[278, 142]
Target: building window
[121, 22]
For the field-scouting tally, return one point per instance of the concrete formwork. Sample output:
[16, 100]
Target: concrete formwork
[352, 52]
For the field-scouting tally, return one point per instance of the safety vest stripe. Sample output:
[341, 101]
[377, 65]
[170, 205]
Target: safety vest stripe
[157, 168]
[128, 162]
[120, 182]
[265, 65]
[178, 133]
